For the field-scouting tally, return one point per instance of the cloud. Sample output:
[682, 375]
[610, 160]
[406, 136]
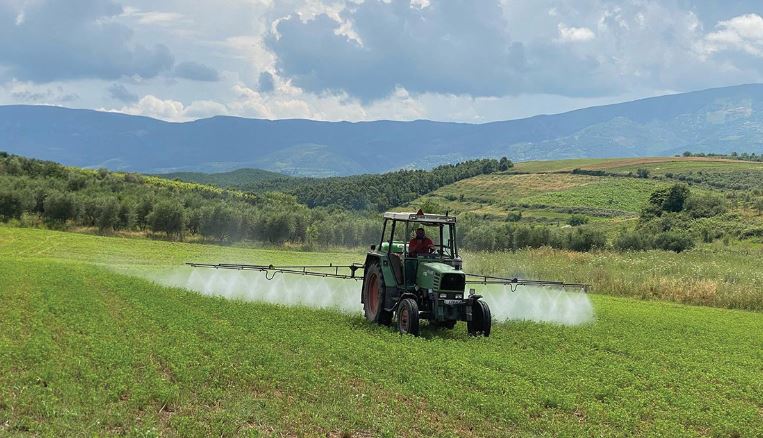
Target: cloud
[743, 33]
[575, 34]
[457, 46]
[27, 92]
[48, 40]
[173, 110]
[196, 72]
[122, 94]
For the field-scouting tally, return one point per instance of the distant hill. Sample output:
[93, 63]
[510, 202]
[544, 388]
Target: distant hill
[717, 120]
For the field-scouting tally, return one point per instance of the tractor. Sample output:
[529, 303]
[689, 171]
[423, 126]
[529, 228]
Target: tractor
[417, 286]
[406, 287]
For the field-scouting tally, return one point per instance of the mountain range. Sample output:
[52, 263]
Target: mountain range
[718, 120]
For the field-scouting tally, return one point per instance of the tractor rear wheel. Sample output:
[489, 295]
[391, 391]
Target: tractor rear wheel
[481, 319]
[373, 296]
[408, 317]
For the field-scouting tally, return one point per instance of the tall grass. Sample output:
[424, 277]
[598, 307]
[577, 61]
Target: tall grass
[710, 275]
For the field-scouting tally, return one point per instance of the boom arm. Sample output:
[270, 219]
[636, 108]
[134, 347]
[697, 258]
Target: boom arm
[327, 271]
[513, 282]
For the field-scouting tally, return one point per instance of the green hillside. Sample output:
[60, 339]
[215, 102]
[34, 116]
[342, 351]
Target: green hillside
[87, 350]
[555, 190]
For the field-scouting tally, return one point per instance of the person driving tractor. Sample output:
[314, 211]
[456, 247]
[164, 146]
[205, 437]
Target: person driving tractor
[420, 244]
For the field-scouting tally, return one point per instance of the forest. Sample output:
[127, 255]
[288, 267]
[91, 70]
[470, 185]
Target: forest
[369, 192]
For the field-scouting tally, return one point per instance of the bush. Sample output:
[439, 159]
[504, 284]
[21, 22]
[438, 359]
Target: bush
[514, 216]
[674, 241]
[167, 217]
[705, 205]
[11, 206]
[576, 220]
[480, 238]
[633, 241]
[585, 240]
[642, 173]
[669, 199]
[108, 215]
[219, 222]
[59, 207]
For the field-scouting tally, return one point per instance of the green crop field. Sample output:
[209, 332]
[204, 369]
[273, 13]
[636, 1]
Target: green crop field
[548, 191]
[497, 194]
[88, 350]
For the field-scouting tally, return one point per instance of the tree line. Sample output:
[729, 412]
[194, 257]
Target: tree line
[370, 192]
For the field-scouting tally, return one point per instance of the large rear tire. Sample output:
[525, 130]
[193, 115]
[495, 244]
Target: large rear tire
[408, 317]
[373, 296]
[481, 319]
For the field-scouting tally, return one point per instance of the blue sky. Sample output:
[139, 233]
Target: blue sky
[454, 60]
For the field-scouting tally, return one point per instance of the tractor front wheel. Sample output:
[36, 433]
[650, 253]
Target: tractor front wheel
[373, 296]
[481, 319]
[408, 317]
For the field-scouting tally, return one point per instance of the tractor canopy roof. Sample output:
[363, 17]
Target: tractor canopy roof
[420, 217]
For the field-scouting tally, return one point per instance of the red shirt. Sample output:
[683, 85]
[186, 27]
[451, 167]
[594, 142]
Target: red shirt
[419, 246]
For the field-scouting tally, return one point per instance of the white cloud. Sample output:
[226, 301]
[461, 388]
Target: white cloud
[172, 110]
[575, 34]
[744, 33]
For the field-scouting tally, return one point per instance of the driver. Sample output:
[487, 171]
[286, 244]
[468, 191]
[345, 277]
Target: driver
[420, 244]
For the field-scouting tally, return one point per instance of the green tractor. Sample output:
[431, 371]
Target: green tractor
[416, 286]
[407, 285]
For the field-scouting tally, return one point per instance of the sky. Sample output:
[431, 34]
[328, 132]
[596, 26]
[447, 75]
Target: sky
[468, 61]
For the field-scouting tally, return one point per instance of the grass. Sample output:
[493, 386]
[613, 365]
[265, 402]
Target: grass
[494, 195]
[617, 164]
[710, 275]
[85, 350]
[624, 195]
[547, 192]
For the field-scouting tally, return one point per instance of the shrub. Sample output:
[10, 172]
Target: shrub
[633, 241]
[642, 173]
[481, 238]
[576, 220]
[514, 216]
[11, 206]
[705, 205]
[108, 215]
[585, 240]
[167, 217]
[670, 198]
[59, 207]
[674, 241]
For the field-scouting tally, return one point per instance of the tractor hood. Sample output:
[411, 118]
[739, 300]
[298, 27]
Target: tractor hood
[439, 276]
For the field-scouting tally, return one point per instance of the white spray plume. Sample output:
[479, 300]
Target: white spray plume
[327, 293]
[537, 304]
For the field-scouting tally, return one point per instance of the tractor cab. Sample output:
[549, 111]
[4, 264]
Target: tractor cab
[398, 230]
[428, 283]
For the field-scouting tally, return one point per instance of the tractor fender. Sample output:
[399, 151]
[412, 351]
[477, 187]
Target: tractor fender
[402, 297]
[370, 258]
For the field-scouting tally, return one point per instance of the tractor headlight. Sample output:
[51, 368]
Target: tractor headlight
[443, 295]
[459, 296]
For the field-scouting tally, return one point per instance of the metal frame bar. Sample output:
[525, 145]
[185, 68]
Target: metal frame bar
[489, 279]
[299, 270]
